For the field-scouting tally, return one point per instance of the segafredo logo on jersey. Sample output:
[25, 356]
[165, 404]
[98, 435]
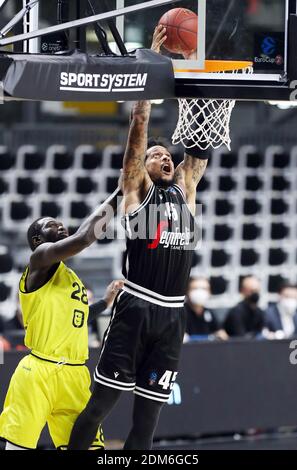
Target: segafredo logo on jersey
[96, 82]
[174, 239]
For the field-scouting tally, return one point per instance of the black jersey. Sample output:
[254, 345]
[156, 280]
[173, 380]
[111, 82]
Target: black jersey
[161, 238]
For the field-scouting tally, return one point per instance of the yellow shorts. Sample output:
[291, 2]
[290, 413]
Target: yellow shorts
[42, 392]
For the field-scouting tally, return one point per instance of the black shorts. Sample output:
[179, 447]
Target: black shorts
[141, 347]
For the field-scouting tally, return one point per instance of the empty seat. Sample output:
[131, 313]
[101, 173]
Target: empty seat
[26, 186]
[251, 207]
[33, 160]
[250, 232]
[19, 211]
[281, 160]
[254, 160]
[91, 161]
[111, 183]
[50, 209]
[277, 256]
[203, 185]
[3, 186]
[218, 284]
[278, 206]
[222, 233]
[72, 229]
[223, 207]
[56, 185]
[249, 257]
[253, 183]
[219, 258]
[226, 183]
[116, 160]
[197, 259]
[279, 231]
[63, 161]
[4, 291]
[79, 210]
[7, 161]
[228, 160]
[85, 185]
[6, 263]
[279, 183]
[104, 240]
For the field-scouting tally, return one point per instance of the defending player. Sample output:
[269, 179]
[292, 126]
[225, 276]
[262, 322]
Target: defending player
[52, 385]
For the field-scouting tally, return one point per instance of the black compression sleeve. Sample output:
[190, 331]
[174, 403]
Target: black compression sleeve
[197, 152]
[95, 309]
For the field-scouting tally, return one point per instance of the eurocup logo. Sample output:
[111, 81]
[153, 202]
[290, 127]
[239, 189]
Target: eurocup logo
[268, 46]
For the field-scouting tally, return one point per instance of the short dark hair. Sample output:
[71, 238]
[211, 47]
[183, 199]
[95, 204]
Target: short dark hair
[154, 141]
[33, 231]
[286, 285]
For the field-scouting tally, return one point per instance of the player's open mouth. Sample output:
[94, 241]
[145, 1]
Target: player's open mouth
[166, 169]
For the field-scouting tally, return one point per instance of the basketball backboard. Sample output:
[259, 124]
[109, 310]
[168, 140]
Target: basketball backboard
[233, 37]
[229, 31]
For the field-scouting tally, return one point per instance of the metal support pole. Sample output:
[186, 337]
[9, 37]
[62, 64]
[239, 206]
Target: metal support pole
[30, 24]
[86, 21]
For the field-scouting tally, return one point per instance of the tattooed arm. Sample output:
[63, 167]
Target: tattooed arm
[135, 178]
[187, 175]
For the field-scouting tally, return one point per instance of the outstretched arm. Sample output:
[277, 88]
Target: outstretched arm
[48, 254]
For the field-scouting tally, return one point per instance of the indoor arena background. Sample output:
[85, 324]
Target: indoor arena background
[62, 160]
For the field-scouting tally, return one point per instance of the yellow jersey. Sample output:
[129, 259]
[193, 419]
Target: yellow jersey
[56, 317]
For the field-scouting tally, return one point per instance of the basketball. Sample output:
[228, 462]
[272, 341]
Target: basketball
[182, 27]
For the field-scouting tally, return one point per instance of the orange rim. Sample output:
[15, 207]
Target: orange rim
[212, 66]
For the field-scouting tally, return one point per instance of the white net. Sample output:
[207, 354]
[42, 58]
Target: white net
[205, 123]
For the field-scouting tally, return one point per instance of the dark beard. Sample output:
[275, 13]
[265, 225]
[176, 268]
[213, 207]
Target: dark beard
[164, 184]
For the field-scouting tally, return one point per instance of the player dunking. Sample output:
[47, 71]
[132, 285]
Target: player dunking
[51, 384]
[142, 344]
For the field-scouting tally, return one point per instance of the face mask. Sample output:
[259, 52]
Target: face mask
[288, 305]
[199, 296]
[253, 298]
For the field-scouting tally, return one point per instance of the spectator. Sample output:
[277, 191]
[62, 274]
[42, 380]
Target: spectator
[201, 321]
[246, 319]
[281, 318]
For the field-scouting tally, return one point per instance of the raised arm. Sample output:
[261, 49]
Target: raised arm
[48, 254]
[188, 175]
[136, 180]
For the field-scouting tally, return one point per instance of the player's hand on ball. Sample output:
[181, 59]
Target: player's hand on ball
[159, 38]
[191, 55]
[111, 292]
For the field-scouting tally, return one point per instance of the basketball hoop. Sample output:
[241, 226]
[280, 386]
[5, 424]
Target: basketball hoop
[205, 123]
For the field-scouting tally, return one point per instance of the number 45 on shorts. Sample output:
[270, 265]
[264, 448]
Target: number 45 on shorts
[167, 380]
